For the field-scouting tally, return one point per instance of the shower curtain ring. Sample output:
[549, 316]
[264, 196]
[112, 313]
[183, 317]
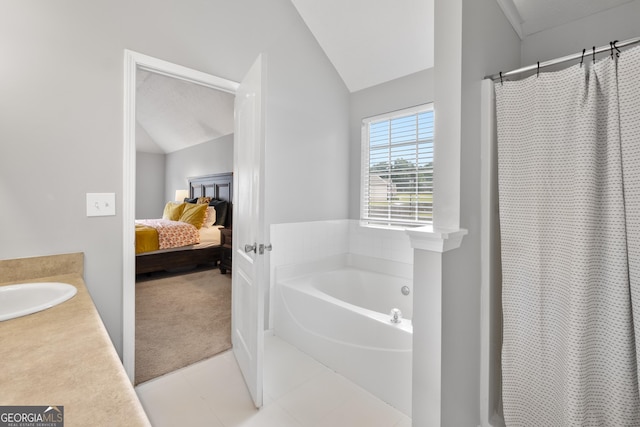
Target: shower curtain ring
[611, 49]
[582, 59]
[500, 78]
[616, 48]
[594, 54]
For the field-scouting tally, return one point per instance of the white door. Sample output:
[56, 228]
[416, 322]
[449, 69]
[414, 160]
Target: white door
[247, 315]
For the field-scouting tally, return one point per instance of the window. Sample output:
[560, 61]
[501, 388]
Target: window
[397, 168]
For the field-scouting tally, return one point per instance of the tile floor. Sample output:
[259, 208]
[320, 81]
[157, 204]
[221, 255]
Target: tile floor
[298, 392]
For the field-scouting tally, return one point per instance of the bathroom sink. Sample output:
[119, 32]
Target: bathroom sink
[27, 298]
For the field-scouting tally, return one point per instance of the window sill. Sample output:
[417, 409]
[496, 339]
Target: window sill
[436, 240]
[392, 228]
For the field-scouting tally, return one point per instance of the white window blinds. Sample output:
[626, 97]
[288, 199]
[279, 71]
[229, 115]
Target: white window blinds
[397, 168]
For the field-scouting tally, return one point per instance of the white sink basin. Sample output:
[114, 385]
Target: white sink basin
[27, 298]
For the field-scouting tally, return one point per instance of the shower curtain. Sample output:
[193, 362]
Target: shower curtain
[569, 195]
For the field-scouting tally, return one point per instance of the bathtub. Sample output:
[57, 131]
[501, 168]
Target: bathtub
[342, 319]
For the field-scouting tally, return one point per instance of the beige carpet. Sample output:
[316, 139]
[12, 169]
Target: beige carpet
[180, 320]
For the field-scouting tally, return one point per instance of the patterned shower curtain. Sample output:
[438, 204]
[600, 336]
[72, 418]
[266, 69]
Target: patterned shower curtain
[569, 194]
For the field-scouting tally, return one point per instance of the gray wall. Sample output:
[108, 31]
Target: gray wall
[210, 157]
[619, 23]
[150, 177]
[408, 91]
[489, 44]
[158, 176]
[62, 80]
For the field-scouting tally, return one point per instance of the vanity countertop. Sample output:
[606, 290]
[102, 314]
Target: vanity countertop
[63, 356]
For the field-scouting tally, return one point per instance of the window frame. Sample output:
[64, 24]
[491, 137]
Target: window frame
[390, 222]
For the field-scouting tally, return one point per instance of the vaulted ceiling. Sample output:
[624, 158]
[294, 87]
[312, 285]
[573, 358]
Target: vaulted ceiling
[368, 42]
[372, 42]
[173, 114]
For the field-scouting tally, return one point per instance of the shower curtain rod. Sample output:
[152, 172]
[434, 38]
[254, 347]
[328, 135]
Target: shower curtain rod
[567, 58]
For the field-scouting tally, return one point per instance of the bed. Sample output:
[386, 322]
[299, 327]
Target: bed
[217, 187]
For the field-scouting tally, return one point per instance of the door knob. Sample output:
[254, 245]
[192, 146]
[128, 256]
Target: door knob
[250, 248]
[262, 248]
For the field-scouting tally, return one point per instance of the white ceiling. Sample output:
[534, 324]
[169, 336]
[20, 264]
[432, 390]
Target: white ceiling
[173, 114]
[372, 42]
[368, 42]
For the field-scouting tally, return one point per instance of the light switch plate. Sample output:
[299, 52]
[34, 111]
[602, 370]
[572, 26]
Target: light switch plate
[101, 204]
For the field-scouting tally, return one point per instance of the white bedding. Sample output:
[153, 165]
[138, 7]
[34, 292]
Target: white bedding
[210, 236]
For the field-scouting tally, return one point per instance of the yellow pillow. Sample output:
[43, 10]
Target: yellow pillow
[173, 211]
[194, 214]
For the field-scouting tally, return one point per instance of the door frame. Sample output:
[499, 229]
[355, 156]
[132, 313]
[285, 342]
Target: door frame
[132, 62]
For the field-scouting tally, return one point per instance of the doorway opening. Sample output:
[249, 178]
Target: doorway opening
[134, 64]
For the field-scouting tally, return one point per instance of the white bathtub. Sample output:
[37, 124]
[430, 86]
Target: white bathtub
[341, 318]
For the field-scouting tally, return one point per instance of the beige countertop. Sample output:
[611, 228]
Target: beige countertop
[63, 356]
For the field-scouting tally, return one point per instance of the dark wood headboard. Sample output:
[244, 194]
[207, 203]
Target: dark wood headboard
[217, 186]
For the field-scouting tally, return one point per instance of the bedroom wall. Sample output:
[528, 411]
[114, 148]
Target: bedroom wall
[215, 156]
[150, 177]
[61, 81]
[619, 23]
